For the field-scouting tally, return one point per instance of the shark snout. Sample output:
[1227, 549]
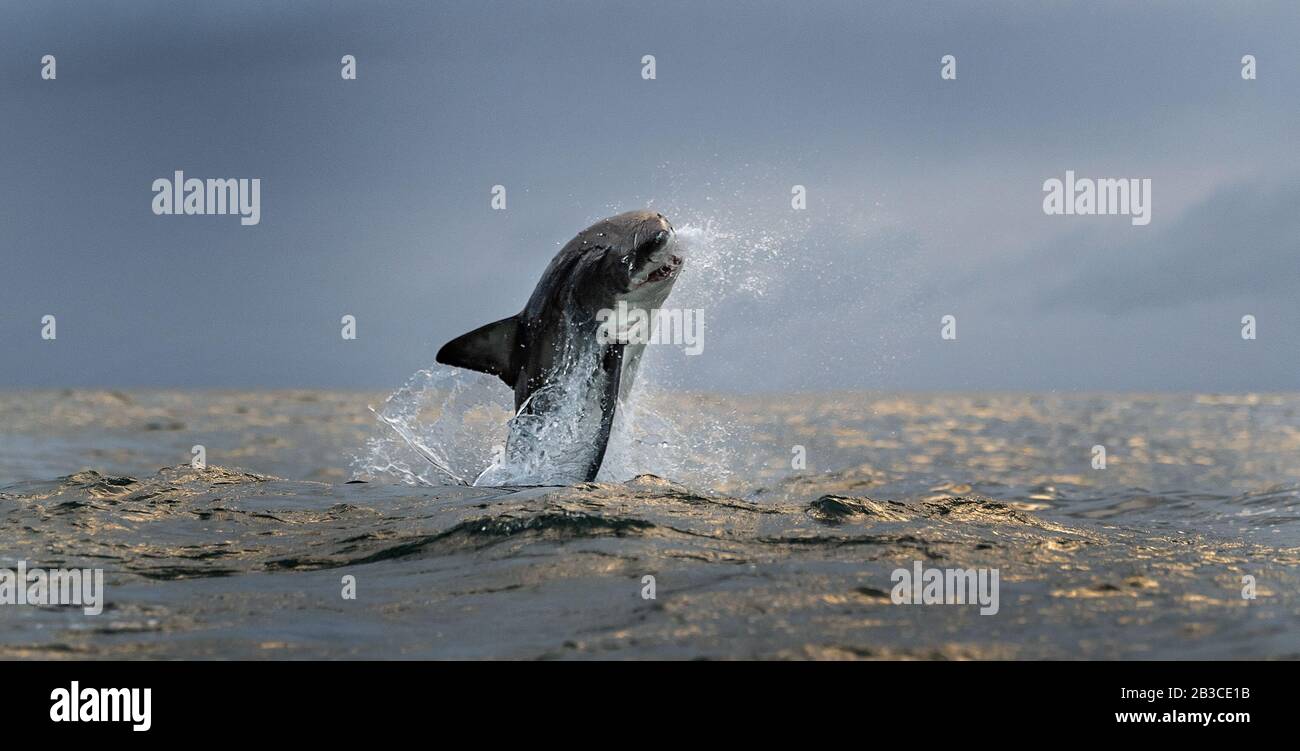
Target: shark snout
[657, 258]
[648, 248]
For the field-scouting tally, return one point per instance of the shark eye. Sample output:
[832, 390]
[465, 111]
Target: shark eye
[654, 242]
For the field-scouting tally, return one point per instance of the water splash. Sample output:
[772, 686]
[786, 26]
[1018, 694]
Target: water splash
[727, 263]
[549, 441]
[437, 429]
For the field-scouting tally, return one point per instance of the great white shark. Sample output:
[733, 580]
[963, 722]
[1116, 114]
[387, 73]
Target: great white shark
[568, 374]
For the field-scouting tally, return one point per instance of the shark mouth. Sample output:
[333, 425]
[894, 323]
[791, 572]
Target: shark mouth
[664, 272]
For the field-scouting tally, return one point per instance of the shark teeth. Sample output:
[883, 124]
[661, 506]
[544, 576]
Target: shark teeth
[665, 271]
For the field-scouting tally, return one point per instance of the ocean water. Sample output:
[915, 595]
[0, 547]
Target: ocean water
[721, 525]
[752, 554]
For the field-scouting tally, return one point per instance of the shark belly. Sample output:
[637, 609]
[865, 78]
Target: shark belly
[561, 430]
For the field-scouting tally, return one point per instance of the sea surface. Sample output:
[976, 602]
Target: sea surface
[753, 553]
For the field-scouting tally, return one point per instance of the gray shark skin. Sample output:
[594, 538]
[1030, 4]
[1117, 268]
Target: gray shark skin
[550, 353]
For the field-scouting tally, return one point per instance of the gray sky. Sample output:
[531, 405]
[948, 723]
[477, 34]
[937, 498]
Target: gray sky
[925, 196]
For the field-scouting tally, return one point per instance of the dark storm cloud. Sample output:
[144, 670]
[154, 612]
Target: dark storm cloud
[923, 194]
[1241, 242]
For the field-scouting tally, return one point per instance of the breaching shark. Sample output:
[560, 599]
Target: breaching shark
[568, 373]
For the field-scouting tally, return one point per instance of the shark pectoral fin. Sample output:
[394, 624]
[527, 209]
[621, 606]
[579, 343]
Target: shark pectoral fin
[487, 349]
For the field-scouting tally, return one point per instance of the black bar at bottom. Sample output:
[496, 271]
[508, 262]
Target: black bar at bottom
[299, 701]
